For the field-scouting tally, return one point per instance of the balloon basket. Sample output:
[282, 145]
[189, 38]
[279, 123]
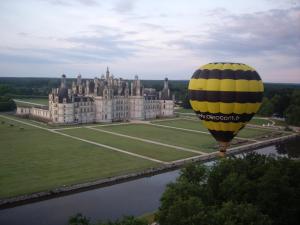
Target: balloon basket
[222, 149]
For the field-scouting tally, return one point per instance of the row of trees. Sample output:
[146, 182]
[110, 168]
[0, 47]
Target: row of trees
[6, 104]
[283, 105]
[255, 189]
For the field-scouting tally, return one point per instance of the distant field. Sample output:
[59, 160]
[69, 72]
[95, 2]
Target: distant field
[197, 125]
[27, 101]
[35, 159]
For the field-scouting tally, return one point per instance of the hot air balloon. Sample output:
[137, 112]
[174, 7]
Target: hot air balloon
[225, 96]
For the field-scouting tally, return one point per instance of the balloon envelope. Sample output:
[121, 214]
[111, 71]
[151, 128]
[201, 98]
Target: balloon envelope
[225, 96]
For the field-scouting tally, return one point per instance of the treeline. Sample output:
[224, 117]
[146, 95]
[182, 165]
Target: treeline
[12, 86]
[31, 87]
[6, 104]
[283, 103]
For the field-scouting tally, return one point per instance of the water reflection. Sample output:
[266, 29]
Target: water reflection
[290, 148]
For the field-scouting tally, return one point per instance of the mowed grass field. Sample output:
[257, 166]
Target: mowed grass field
[190, 140]
[35, 158]
[42, 101]
[196, 124]
[136, 146]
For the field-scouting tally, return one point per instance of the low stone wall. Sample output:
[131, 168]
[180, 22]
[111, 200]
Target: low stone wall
[65, 190]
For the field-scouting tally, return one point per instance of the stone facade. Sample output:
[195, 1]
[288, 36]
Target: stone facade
[105, 99]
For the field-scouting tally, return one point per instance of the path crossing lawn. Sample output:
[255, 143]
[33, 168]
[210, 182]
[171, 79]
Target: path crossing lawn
[248, 132]
[197, 125]
[139, 147]
[42, 101]
[194, 124]
[34, 160]
[196, 141]
[260, 121]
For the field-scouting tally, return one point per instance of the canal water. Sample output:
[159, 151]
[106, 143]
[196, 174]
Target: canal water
[135, 197]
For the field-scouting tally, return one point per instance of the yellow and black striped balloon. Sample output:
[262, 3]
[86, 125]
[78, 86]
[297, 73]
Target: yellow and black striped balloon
[225, 96]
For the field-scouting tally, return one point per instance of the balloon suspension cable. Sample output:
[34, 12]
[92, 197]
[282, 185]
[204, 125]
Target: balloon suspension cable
[222, 148]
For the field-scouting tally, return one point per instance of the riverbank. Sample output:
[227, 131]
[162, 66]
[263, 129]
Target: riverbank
[67, 190]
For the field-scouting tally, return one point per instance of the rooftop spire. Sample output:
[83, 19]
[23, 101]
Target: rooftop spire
[107, 73]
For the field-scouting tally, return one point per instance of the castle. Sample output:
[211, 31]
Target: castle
[107, 99]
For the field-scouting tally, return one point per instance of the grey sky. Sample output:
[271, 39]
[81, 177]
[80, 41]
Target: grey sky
[150, 38]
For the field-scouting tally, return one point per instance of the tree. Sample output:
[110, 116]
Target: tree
[292, 113]
[186, 103]
[7, 104]
[266, 108]
[79, 219]
[280, 102]
[239, 214]
[235, 191]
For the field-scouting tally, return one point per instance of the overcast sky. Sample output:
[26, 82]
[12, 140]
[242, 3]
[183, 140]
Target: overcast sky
[151, 38]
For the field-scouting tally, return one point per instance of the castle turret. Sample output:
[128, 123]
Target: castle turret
[107, 73]
[87, 87]
[79, 79]
[63, 81]
[63, 90]
[166, 85]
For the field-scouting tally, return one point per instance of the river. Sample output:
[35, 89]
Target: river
[135, 197]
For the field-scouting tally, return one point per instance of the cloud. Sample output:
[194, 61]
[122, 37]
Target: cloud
[71, 2]
[261, 33]
[85, 49]
[124, 6]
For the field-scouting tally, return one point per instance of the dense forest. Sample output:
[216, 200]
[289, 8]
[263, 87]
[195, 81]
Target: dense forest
[281, 100]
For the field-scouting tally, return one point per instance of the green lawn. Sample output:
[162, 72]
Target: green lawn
[34, 160]
[196, 141]
[193, 124]
[253, 132]
[197, 125]
[42, 101]
[279, 122]
[139, 147]
[182, 110]
[259, 121]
